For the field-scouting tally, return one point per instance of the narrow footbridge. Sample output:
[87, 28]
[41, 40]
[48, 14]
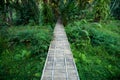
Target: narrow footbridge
[59, 64]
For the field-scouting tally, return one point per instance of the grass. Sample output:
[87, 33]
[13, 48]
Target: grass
[23, 51]
[96, 49]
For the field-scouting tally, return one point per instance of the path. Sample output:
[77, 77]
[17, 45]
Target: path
[59, 63]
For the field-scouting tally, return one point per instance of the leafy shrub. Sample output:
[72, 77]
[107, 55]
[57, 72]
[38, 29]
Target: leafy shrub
[78, 37]
[107, 39]
[98, 35]
[37, 40]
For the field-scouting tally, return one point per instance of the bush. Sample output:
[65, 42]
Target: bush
[79, 37]
[98, 36]
[36, 40]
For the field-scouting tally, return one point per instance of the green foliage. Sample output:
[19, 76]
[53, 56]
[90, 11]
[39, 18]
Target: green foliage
[69, 11]
[80, 37]
[101, 9]
[115, 8]
[97, 55]
[24, 51]
[31, 37]
[3, 38]
[26, 11]
[19, 12]
[47, 14]
[82, 4]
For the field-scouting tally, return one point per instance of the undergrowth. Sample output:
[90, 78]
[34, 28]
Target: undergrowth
[23, 50]
[96, 49]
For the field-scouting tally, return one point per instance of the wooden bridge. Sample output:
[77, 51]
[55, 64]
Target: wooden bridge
[59, 64]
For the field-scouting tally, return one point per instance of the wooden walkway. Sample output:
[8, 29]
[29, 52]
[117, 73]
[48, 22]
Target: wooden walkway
[59, 63]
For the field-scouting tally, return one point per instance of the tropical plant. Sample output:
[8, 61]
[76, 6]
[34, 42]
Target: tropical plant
[101, 9]
[115, 8]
